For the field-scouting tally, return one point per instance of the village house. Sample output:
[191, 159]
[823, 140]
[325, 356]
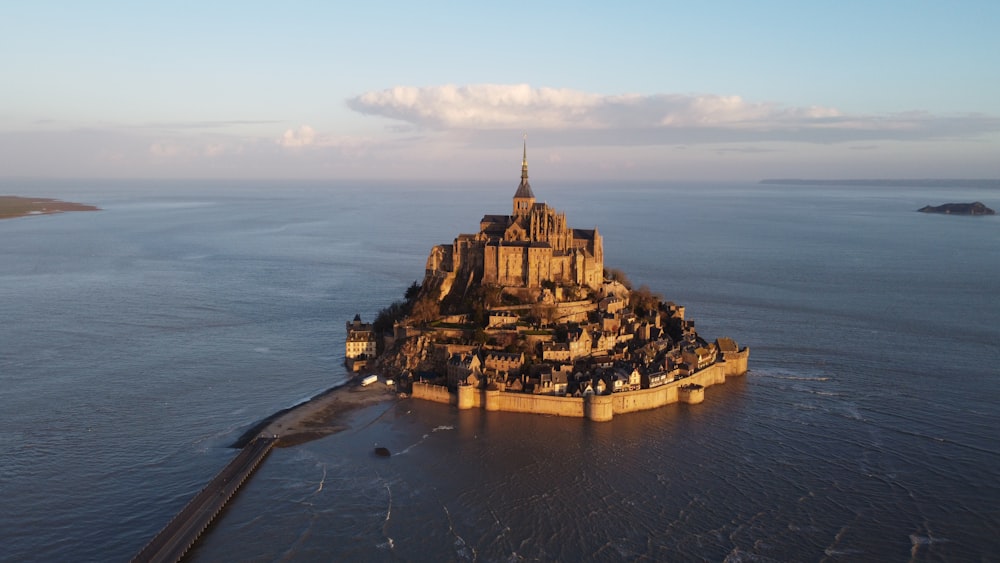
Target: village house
[619, 382]
[580, 343]
[699, 357]
[630, 377]
[360, 345]
[592, 386]
[611, 304]
[555, 351]
[501, 319]
[674, 310]
[605, 341]
[508, 362]
[610, 322]
[551, 381]
[656, 379]
[360, 339]
[460, 366]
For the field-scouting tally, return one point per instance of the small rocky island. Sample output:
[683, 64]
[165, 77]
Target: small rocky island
[974, 208]
[524, 317]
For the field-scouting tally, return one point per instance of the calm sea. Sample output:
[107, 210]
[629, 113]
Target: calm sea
[136, 343]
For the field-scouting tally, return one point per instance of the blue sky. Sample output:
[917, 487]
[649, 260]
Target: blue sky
[444, 90]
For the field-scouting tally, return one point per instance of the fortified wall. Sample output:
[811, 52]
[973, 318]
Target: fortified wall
[599, 408]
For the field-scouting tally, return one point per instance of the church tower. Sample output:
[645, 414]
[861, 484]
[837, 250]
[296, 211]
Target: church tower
[524, 198]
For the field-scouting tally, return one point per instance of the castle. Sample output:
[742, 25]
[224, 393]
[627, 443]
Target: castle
[523, 250]
[558, 339]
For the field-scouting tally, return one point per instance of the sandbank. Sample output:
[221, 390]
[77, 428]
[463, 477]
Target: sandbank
[319, 416]
[15, 206]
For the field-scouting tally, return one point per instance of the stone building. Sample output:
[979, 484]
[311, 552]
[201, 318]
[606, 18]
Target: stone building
[461, 366]
[361, 341]
[522, 250]
[499, 319]
[498, 361]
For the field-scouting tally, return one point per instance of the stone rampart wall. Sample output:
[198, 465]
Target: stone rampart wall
[573, 310]
[595, 408]
[712, 375]
[643, 399]
[541, 404]
[736, 363]
[448, 332]
[434, 393]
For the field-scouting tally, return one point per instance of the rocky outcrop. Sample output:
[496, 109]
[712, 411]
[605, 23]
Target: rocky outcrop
[414, 355]
[974, 208]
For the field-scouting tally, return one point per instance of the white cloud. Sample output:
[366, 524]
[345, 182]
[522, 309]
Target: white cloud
[586, 118]
[496, 106]
[304, 137]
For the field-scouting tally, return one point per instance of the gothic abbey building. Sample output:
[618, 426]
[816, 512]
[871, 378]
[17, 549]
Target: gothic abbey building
[520, 251]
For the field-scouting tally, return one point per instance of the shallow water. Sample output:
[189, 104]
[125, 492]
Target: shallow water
[139, 341]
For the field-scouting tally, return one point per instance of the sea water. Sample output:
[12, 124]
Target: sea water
[138, 342]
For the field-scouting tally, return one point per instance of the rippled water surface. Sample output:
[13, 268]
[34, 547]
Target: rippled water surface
[137, 342]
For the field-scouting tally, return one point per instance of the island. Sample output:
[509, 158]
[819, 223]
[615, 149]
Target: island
[974, 208]
[15, 206]
[523, 316]
[520, 317]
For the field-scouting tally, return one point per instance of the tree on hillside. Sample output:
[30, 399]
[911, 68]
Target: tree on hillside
[614, 274]
[387, 317]
[425, 310]
[413, 291]
[644, 301]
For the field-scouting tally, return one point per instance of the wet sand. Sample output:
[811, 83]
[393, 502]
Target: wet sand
[15, 206]
[320, 416]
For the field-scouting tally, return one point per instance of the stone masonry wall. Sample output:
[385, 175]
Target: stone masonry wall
[620, 403]
[433, 393]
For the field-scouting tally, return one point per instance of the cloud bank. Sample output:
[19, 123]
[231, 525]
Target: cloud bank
[586, 118]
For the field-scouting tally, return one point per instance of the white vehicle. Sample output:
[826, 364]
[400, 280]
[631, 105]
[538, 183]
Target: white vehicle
[369, 380]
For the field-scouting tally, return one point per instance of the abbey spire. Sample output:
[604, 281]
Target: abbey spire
[524, 198]
[524, 162]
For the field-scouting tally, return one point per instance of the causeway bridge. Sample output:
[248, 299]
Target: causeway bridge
[179, 535]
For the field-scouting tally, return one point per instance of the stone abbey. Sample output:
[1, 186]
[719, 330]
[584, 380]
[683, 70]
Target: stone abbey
[520, 317]
[531, 246]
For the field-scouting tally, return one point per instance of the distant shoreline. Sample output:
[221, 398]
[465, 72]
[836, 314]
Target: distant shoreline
[12, 206]
[890, 183]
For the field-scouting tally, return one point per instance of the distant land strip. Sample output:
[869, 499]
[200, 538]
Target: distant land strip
[14, 206]
[891, 183]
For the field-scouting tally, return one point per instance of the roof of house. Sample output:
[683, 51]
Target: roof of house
[727, 345]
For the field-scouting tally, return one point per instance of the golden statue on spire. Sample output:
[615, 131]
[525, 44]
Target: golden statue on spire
[524, 159]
